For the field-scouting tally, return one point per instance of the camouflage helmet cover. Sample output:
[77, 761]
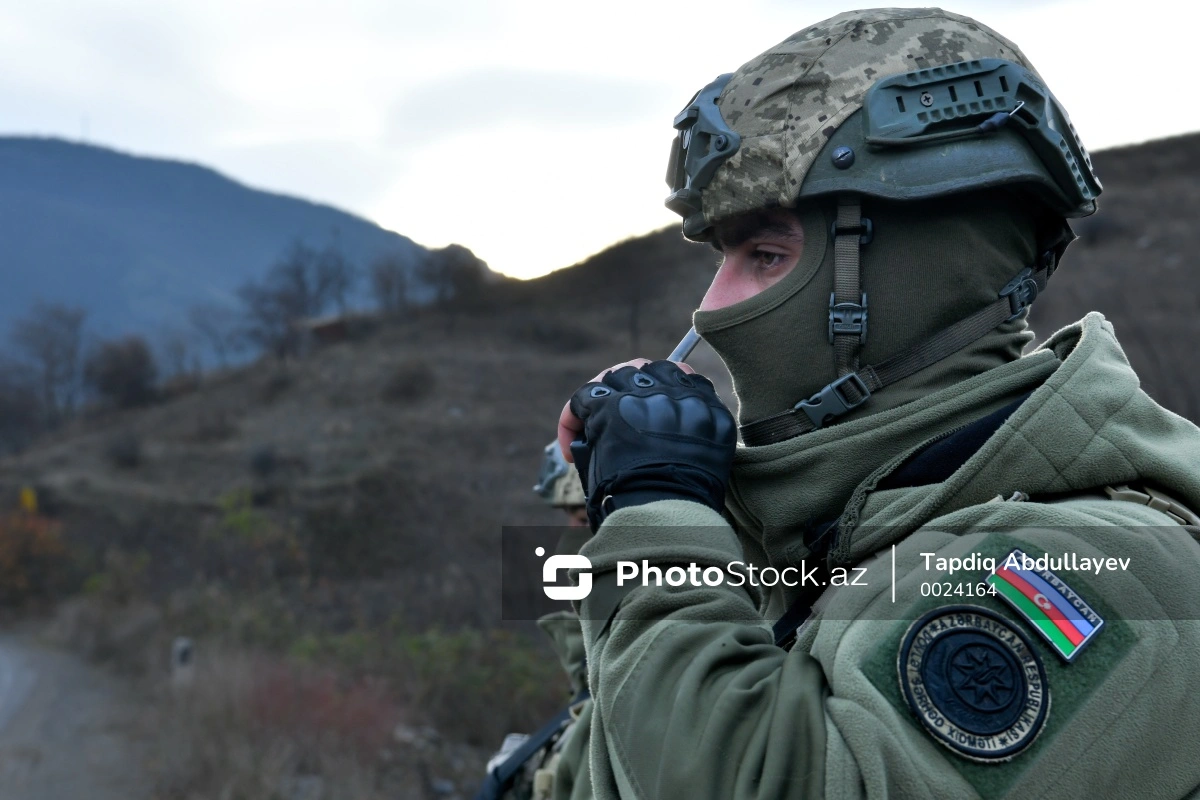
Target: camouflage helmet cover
[558, 481]
[568, 490]
[786, 103]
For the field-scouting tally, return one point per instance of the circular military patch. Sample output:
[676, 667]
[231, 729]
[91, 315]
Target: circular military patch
[974, 681]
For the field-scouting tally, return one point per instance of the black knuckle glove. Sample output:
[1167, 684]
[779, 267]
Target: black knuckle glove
[652, 433]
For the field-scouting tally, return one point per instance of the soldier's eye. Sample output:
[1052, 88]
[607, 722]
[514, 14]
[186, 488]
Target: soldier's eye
[766, 259]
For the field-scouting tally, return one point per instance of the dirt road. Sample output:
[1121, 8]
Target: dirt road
[66, 728]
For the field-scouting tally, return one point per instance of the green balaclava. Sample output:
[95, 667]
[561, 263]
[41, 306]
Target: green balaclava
[929, 265]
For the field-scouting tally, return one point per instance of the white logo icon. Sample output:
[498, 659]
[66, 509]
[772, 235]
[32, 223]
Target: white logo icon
[555, 564]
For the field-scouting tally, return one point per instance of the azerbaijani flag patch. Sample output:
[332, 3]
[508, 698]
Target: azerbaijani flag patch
[1052, 607]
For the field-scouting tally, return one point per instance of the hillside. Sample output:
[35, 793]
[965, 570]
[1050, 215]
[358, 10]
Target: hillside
[1136, 261]
[350, 505]
[137, 241]
[432, 426]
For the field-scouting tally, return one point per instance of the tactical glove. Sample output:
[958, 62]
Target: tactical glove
[652, 433]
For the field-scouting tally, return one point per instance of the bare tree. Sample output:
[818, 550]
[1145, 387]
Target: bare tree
[217, 327]
[453, 272]
[49, 339]
[175, 350]
[20, 411]
[295, 288]
[301, 287]
[389, 284]
[336, 275]
[122, 371]
[268, 323]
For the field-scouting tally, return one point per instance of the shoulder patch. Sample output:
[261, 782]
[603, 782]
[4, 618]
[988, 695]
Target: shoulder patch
[1051, 606]
[974, 681]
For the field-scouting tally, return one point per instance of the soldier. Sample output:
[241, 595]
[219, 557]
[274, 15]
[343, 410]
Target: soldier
[558, 484]
[889, 192]
[558, 768]
[564, 775]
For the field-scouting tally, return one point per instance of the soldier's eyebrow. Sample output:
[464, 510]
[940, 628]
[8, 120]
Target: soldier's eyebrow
[737, 232]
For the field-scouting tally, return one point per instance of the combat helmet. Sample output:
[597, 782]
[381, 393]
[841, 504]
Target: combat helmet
[892, 104]
[901, 104]
[558, 482]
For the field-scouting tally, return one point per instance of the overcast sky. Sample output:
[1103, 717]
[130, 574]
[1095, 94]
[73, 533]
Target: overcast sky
[535, 133]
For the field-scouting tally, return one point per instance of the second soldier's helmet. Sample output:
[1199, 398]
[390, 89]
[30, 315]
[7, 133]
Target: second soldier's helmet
[899, 104]
[558, 482]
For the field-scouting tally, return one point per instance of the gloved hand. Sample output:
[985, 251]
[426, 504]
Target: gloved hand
[652, 433]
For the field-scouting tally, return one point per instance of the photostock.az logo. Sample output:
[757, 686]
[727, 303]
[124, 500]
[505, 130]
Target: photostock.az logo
[555, 564]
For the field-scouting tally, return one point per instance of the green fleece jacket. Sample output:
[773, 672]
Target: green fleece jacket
[694, 700]
[568, 775]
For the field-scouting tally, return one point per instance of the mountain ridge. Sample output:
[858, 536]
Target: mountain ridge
[136, 240]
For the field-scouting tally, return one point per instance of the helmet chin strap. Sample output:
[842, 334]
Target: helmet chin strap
[847, 320]
[848, 303]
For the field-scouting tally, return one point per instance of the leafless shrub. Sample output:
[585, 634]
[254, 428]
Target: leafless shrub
[32, 558]
[300, 285]
[454, 272]
[178, 353]
[20, 411]
[389, 284]
[122, 371]
[217, 327]
[253, 726]
[49, 340]
[336, 275]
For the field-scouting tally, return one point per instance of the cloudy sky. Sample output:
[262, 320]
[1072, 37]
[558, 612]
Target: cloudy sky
[535, 133]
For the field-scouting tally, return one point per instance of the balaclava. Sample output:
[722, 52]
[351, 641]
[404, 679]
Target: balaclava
[929, 265]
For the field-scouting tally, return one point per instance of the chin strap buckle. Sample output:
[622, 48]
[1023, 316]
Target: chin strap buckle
[865, 230]
[1021, 291]
[832, 401]
[850, 318]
